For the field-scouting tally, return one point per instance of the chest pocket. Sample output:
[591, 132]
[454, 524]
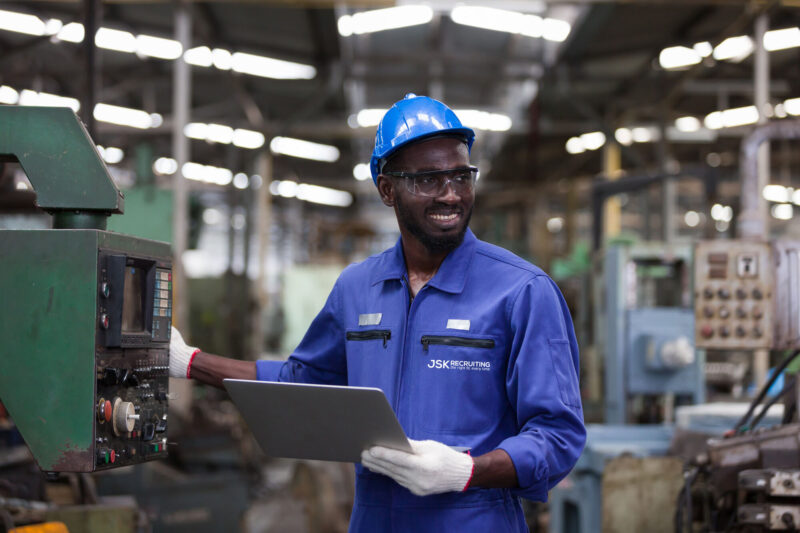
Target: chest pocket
[369, 334]
[461, 378]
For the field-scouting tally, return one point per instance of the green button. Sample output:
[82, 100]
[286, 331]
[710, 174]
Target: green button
[107, 457]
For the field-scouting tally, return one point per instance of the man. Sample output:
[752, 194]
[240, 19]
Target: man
[473, 346]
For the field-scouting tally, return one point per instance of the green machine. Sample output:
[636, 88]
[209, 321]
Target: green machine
[85, 313]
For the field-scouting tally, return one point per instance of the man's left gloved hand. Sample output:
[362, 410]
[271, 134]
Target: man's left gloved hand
[433, 468]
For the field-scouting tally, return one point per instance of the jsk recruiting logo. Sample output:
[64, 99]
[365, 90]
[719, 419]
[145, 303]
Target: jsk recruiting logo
[444, 364]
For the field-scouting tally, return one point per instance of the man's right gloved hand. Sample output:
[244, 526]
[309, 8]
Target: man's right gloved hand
[180, 356]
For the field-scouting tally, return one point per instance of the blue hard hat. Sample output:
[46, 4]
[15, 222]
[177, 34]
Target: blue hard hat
[411, 119]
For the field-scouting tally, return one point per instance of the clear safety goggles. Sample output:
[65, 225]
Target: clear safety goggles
[434, 182]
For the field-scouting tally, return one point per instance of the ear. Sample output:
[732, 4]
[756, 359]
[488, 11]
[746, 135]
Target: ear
[386, 190]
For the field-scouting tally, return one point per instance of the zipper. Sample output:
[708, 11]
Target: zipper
[371, 334]
[448, 340]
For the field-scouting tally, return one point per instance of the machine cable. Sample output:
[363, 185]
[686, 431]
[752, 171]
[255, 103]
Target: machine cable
[740, 426]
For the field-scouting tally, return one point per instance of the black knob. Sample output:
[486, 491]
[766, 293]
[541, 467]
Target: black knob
[111, 376]
[724, 293]
[132, 380]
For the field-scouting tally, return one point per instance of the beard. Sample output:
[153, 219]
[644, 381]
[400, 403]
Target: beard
[435, 244]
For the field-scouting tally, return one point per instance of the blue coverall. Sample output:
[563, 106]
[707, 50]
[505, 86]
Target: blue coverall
[483, 357]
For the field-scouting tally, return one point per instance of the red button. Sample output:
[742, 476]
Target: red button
[107, 411]
[169, 276]
[707, 331]
[113, 456]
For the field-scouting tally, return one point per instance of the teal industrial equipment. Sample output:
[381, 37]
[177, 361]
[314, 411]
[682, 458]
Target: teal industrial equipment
[86, 313]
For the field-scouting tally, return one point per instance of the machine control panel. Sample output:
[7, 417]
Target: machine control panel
[734, 295]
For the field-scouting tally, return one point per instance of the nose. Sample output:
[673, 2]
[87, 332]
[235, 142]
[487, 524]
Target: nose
[449, 193]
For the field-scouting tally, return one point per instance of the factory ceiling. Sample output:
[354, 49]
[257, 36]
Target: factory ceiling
[606, 74]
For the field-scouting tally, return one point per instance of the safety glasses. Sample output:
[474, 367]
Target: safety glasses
[434, 183]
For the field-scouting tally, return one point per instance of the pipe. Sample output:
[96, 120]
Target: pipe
[752, 222]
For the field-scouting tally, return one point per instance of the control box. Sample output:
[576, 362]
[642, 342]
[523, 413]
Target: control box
[84, 368]
[747, 295]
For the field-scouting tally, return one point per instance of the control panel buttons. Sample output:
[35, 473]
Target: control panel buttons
[741, 293]
[724, 293]
[104, 410]
[708, 293]
[758, 332]
[111, 376]
[758, 294]
[741, 312]
[105, 289]
[757, 312]
[104, 321]
[740, 331]
[708, 311]
[724, 312]
[724, 331]
[707, 331]
[124, 416]
[106, 456]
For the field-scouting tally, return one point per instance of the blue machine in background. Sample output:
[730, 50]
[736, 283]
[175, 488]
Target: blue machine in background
[644, 327]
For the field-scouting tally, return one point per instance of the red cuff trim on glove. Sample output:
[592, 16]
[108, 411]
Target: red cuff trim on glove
[471, 474]
[189, 367]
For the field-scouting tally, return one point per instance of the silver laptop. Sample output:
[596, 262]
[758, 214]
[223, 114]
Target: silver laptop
[323, 422]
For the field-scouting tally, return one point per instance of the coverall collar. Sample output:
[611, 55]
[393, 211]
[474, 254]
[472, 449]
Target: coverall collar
[451, 276]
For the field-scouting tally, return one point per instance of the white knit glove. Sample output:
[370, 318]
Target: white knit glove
[433, 468]
[180, 356]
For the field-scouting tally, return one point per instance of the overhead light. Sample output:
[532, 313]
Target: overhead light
[777, 193]
[367, 118]
[691, 218]
[361, 172]
[490, 18]
[721, 212]
[195, 130]
[221, 58]
[624, 136]
[593, 140]
[200, 56]
[8, 95]
[688, 124]
[731, 118]
[796, 197]
[483, 120]
[165, 166]
[734, 48]
[678, 57]
[118, 40]
[207, 173]
[304, 149]
[125, 116]
[21, 23]
[782, 39]
[554, 29]
[219, 134]
[241, 181]
[782, 211]
[147, 45]
[72, 32]
[555, 224]
[575, 146]
[384, 19]
[644, 134]
[111, 154]
[286, 188]
[34, 98]
[704, 49]
[323, 195]
[792, 106]
[268, 67]
[248, 138]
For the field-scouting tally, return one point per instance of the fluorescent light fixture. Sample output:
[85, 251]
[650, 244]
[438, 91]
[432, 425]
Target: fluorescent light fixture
[125, 116]
[268, 67]
[52, 26]
[624, 136]
[8, 95]
[593, 140]
[370, 117]
[796, 197]
[248, 138]
[241, 181]
[555, 224]
[691, 218]
[384, 19]
[196, 130]
[704, 49]
[287, 188]
[33, 98]
[165, 166]
[200, 56]
[676, 57]
[21, 23]
[111, 154]
[730, 118]
[792, 106]
[777, 193]
[554, 29]
[688, 124]
[72, 33]
[304, 149]
[489, 18]
[575, 146]
[483, 120]
[782, 39]
[734, 48]
[218, 133]
[147, 45]
[221, 58]
[118, 40]
[207, 173]
[323, 195]
[644, 134]
[782, 211]
[361, 172]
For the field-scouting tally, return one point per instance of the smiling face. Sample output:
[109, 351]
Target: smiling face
[437, 223]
